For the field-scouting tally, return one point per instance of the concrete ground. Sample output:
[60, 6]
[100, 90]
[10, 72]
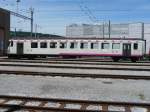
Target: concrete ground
[76, 88]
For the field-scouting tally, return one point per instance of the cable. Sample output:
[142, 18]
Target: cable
[87, 11]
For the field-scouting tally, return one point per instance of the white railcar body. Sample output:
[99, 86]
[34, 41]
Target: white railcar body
[115, 48]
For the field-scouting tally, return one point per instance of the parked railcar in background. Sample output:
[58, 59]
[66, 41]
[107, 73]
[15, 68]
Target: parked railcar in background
[116, 48]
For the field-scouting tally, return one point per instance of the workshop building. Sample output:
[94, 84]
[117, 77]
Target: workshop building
[4, 30]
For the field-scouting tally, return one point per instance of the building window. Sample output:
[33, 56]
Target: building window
[105, 46]
[53, 44]
[63, 45]
[43, 45]
[115, 46]
[73, 45]
[135, 46]
[94, 46]
[34, 45]
[84, 45]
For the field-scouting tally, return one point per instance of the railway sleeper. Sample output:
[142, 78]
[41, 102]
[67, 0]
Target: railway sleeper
[84, 105]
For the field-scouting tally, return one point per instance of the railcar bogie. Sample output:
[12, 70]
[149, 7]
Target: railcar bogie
[135, 59]
[116, 59]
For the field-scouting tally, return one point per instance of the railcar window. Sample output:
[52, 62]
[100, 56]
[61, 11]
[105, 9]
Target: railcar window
[11, 43]
[116, 45]
[135, 46]
[43, 45]
[94, 45]
[53, 44]
[84, 45]
[73, 45]
[63, 45]
[34, 45]
[105, 45]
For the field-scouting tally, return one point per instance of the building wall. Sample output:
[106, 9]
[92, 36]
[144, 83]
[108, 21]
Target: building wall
[4, 30]
[131, 30]
[74, 31]
[147, 36]
[135, 30]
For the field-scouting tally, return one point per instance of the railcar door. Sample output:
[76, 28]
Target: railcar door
[126, 50]
[20, 48]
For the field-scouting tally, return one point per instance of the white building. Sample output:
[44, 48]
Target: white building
[131, 30]
[147, 36]
[84, 30]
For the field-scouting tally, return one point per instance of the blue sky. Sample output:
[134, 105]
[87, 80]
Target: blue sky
[52, 16]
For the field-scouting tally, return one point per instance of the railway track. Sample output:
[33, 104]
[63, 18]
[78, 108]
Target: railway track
[75, 75]
[78, 62]
[83, 66]
[64, 59]
[36, 104]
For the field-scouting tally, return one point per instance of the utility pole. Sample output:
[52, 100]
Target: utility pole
[103, 30]
[17, 1]
[32, 12]
[15, 33]
[18, 5]
[143, 31]
[109, 28]
[36, 26]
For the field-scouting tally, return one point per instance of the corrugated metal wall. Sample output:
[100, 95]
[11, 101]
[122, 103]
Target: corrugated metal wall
[147, 36]
[133, 30]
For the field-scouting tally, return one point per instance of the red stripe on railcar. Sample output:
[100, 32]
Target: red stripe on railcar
[90, 54]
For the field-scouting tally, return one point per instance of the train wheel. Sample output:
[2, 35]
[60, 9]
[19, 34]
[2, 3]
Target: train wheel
[134, 59]
[30, 58]
[10, 57]
[43, 56]
[13, 57]
[115, 59]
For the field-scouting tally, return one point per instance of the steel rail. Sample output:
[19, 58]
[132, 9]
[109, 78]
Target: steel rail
[60, 59]
[82, 63]
[75, 75]
[77, 59]
[86, 59]
[83, 105]
[77, 67]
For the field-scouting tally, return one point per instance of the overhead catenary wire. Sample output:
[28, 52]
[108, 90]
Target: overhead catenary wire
[92, 13]
[87, 11]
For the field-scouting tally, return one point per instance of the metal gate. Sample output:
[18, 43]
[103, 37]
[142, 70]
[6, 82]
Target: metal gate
[20, 48]
[126, 50]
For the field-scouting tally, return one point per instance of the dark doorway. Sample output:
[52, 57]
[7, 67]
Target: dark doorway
[20, 48]
[126, 50]
[1, 41]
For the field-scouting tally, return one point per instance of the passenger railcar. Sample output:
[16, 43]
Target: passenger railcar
[116, 48]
